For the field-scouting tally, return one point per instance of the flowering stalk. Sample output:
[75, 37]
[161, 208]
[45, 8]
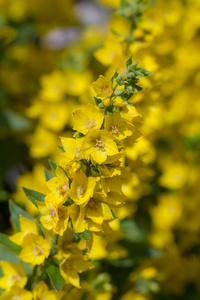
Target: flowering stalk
[85, 189]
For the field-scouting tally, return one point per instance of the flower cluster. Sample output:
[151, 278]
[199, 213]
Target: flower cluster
[84, 191]
[123, 194]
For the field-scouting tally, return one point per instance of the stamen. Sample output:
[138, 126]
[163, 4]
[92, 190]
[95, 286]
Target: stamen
[90, 124]
[99, 145]
[115, 129]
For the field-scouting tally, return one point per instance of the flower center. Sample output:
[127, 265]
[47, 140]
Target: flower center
[106, 89]
[90, 124]
[80, 191]
[52, 212]
[99, 144]
[62, 189]
[37, 250]
[92, 205]
[15, 278]
[115, 129]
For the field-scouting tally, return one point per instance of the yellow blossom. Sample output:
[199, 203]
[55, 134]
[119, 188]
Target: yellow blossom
[41, 291]
[70, 267]
[102, 87]
[97, 209]
[35, 249]
[72, 149]
[59, 185]
[87, 119]
[118, 127]
[13, 275]
[82, 188]
[54, 217]
[27, 227]
[16, 293]
[99, 144]
[53, 86]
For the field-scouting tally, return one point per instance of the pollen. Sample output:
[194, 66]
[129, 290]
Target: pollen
[90, 124]
[106, 89]
[92, 205]
[80, 191]
[37, 250]
[99, 144]
[115, 129]
[52, 212]
[62, 189]
[15, 278]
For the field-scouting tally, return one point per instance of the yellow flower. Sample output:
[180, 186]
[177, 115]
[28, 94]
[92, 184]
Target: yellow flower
[167, 212]
[35, 249]
[99, 144]
[71, 266]
[118, 127]
[16, 293]
[115, 199]
[72, 149]
[59, 186]
[97, 210]
[66, 245]
[102, 87]
[149, 273]
[175, 175]
[55, 217]
[26, 227]
[87, 119]
[42, 143]
[53, 86]
[13, 275]
[78, 221]
[41, 291]
[130, 115]
[119, 102]
[55, 116]
[82, 188]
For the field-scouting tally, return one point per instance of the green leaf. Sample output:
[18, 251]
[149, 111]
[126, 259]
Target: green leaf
[61, 148]
[95, 170]
[6, 255]
[114, 76]
[98, 101]
[132, 232]
[85, 235]
[53, 165]
[5, 242]
[34, 196]
[76, 238]
[56, 277]
[133, 66]
[114, 215]
[15, 212]
[47, 174]
[119, 92]
[129, 62]
[13, 121]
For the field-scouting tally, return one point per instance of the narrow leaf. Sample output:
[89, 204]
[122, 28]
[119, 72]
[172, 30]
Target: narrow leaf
[47, 174]
[34, 196]
[61, 148]
[129, 62]
[5, 242]
[114, 76]
[53, 165]
[15, 212]
[56, 277]
[85, 235]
